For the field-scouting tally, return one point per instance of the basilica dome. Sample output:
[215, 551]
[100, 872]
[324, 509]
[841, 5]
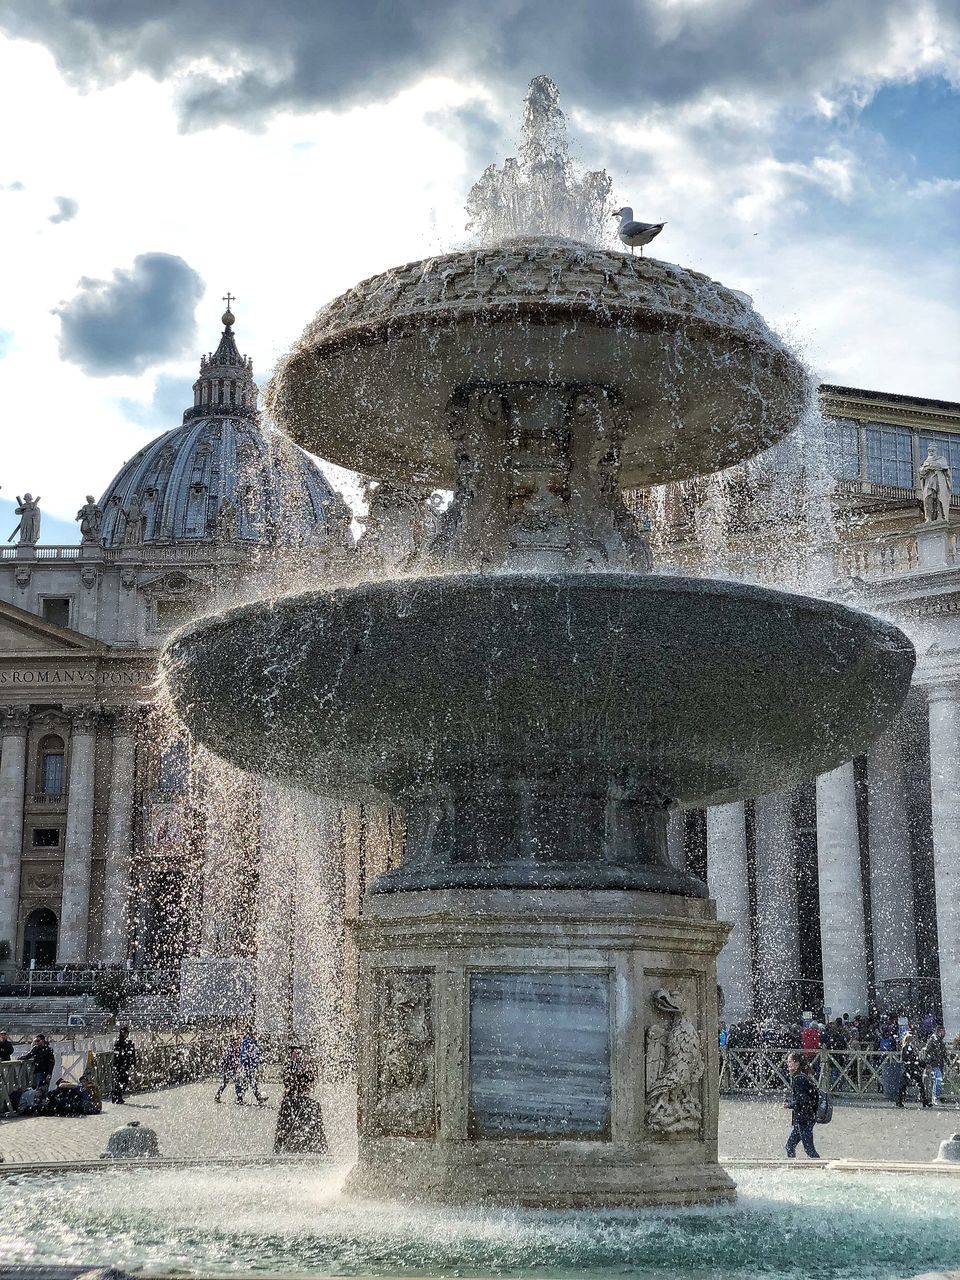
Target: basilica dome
[220, 473]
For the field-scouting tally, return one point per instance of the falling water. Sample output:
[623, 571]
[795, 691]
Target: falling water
[541, 191]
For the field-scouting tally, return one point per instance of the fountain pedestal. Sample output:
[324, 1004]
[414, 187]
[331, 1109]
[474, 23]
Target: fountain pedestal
[550, 1048]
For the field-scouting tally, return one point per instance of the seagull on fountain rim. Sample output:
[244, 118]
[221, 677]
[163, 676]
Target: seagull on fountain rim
[636, 233]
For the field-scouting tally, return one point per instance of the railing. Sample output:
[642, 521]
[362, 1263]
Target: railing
[162, 1059]
[855, 1073]
[879, 558]
[71, 552]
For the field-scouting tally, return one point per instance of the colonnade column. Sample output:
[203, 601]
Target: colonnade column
[842, 935]
[78, 849]
[727, 880]
[778, 956]
[13, 772]
[891, 869]
[945, 802]
[116, 883]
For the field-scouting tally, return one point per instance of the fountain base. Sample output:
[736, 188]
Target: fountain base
[548, 1048]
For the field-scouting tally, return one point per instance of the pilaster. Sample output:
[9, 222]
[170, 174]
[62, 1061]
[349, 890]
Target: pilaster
[944, 702]
[13, 759]
[119, 851]
[75, 903]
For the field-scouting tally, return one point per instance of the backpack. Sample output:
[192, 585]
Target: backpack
[824, 1109]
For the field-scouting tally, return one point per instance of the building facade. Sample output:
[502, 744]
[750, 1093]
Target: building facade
[123, 843]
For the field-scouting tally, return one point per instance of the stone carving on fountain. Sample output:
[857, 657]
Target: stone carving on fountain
[674, 1068]
[405, 1103]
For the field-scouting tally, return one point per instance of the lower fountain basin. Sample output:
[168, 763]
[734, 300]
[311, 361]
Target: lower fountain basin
[786, 1225]
[540, 719]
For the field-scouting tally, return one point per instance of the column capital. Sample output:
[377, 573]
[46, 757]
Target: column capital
[124, 719]
[946, 690]
[85, 719]
[14, 721]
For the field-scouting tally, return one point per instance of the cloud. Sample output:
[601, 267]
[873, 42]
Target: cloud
[144, 315]
[625, 54]
[66, 209]
[12, 186]
[6, 341]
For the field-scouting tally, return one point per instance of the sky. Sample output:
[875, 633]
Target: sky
[156, 153]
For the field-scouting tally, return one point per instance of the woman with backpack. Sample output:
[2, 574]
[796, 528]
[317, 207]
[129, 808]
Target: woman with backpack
[803, 1106]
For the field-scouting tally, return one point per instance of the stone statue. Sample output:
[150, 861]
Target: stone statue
[674, 1068]
[134, 520]
[28, 509]
[91, 518]
[935, 486]
[226, 521]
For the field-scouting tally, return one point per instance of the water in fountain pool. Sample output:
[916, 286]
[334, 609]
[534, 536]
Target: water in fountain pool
[293, 1219]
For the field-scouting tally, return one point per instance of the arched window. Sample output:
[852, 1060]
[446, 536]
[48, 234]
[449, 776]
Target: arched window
[50, 772]
[40, 931]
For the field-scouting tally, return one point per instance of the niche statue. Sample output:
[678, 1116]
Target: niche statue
[935, 486]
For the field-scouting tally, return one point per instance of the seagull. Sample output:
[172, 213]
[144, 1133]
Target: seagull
[636, 233]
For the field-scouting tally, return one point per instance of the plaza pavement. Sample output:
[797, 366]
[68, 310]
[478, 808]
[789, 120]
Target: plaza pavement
[190, 1125]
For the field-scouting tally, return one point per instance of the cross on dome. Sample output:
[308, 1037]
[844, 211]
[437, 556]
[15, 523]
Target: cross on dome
[228, 317]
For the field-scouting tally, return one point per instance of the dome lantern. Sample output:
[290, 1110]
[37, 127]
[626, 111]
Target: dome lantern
[225, 384]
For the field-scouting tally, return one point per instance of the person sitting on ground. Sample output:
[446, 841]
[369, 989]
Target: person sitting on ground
[66, 1099]
[912, 1070]
[6, 1046]
[42, 1060]
[805, 1098]
[92, 1097]
[25, 1101]
[299, 1116]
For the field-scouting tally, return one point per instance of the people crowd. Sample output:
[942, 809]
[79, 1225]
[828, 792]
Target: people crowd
[42, 1095]
[920, 1046]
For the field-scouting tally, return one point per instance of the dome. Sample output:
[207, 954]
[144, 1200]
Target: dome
[220, 473]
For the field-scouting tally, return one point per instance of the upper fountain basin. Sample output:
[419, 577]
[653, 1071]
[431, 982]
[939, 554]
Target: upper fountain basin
[700, 380]
[679, 688]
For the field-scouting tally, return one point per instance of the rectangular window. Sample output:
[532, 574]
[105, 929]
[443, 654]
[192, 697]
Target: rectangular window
[890, 454]
[948, 445]
[46, 838]
[843, 448]
[51, 773]
[56, 609]
[540, 1054]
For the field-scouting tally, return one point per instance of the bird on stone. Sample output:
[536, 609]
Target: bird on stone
[636, 233]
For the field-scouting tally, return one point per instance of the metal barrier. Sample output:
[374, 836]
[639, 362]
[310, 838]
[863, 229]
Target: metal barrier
[14, 1075]
[855, 1073]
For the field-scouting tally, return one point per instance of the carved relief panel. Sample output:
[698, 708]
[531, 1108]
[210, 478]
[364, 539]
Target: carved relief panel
[405, 1087]
[675, 1057]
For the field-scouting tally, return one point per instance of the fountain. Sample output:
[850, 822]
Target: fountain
[538, 984]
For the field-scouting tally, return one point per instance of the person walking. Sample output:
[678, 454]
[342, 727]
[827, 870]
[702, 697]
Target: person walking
[935, 1057]
[248, 1056]
[912, 1069]
[42, 1059]
[229, 1068]
[803, 1106]
[124, 1060]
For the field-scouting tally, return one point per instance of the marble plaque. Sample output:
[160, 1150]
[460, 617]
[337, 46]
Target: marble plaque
[540, 1054]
